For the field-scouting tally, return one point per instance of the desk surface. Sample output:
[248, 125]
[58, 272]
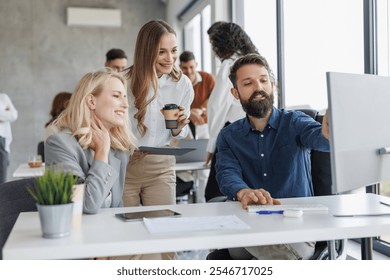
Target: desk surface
[24, 171]
[104, 235]
[191, 166]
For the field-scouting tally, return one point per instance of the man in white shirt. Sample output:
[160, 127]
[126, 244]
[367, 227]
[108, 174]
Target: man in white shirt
[8, 114]
[203, 84]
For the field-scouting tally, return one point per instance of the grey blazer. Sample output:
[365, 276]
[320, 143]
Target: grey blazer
[101, 180]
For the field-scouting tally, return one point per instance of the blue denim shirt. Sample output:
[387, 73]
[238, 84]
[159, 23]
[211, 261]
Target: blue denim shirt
[276, 159]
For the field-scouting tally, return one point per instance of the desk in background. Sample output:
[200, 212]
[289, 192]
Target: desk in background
[25, 171]
[105, 235]
[191, 166]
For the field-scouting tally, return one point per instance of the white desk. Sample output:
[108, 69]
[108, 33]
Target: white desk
[24, 171]
[191, 166]
[105, 235]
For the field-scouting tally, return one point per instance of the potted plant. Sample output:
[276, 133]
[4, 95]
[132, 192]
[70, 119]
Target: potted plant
[53, 194]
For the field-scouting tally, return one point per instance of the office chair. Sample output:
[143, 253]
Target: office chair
[41, 150]
[14, 198]
[183, 190]
[322, 182]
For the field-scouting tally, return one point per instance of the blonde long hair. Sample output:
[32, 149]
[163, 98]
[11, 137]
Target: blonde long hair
[143, 72]
[77, 116]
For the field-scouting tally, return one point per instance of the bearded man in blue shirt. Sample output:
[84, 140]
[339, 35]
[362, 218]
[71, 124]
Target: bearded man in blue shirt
[266, 155]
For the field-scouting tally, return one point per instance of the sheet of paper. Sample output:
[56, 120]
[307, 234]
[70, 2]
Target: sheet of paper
[190, 224]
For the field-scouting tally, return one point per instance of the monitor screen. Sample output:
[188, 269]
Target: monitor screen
[359, 123]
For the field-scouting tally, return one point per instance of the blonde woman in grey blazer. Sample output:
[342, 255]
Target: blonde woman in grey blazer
[95, 140]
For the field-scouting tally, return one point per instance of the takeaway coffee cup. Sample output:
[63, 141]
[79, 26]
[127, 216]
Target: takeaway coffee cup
[170, 114]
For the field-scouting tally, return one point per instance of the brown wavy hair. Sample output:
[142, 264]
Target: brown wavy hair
[60, 101]
[143, 72]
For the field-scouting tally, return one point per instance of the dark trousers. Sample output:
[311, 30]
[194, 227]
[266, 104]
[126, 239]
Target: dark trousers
[212, 187]
[3, 161]
[193, 129]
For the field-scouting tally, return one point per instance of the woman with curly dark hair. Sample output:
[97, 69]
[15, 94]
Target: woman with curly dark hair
[228, 39]
[229, 42]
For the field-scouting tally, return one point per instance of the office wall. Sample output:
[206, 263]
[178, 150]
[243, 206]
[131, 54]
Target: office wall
[40, 55]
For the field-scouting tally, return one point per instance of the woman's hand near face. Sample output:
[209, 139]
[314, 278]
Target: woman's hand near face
[182, 121]
[101, 142]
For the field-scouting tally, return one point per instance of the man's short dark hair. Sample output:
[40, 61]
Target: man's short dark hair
[187, 56]
[251, 58]
[115, 54]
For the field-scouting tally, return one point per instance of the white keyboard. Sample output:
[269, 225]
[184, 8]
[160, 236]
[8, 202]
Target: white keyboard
[253, 208]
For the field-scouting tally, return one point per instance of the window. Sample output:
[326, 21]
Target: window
[261, 28]
[196, 38]
[383, 29]
[320, 36]
[260, 24]
[383, 37]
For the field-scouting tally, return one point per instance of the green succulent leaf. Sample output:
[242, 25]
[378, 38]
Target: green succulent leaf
[54, 187]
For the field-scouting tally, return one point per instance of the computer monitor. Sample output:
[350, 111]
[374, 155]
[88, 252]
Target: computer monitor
[359, 123]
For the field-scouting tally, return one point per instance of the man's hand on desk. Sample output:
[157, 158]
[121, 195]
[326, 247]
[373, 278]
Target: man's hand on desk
[255, 196]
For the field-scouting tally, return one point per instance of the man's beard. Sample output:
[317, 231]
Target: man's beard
[258, 108]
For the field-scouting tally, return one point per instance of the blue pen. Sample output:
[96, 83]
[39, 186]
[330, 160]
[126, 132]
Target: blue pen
[267, 212]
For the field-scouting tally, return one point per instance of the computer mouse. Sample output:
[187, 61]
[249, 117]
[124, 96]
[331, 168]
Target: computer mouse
[293, 213]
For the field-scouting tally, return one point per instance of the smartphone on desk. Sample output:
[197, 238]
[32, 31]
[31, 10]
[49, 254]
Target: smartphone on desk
[138, 216]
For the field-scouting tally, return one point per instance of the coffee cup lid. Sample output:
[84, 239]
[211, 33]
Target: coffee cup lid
[170, 106]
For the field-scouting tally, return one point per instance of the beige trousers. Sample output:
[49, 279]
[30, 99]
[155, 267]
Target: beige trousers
[150, 181]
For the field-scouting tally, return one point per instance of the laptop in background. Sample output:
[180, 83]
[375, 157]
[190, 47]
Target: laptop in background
[197, 155]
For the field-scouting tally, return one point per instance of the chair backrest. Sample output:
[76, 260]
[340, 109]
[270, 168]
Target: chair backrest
[321, 170]
[41, 150]
[14, 198]
[310, 112]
